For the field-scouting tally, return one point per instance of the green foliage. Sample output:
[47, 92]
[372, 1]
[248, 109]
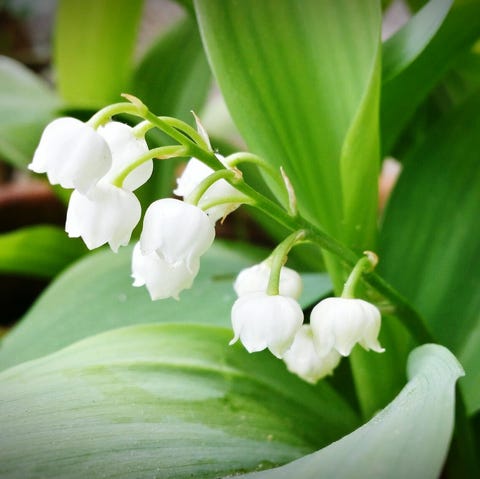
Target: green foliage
[302, 84]
[430, 245]
[78, 304]
[27, 106]
[20, 251]
[94, 42]
[392, 444]
[170, 400]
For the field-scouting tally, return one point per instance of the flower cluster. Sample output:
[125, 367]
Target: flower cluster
[105, 161]
[312, 351]
[75, 155]
[104, 166]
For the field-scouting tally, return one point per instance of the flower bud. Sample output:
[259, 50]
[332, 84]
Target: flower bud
[106, 215]
[255, 280]
[302, 358]
[177, 232]
[340, 323]
[72, 154]
[125, 148]
[262, 321]
[193, 174]
[161, 279]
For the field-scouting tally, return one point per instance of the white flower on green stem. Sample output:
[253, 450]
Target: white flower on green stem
[303, 360]
[263, 321]
[255, 280]
[177, 232]
[340, 323]
[106, 215]
[193, 174]
[72, 154]
[125, 148]
[161, 279]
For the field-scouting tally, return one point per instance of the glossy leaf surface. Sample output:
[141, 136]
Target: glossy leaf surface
[409, 438]
[169, 401]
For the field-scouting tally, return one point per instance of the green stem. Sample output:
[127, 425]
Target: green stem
[364, 265]
[195, 196]
[161, 153]
[278, 258]
[235, 200]
[105, 114]
[244, 157]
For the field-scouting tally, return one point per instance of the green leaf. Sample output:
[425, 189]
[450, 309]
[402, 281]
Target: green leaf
[402, 95]
[27, 106]
[94, 42]
[169, 401]
[430, 249]
[38, 251]
[96, 295]
[409, 438]
[301, 81]
[400, 50]
[173, 78]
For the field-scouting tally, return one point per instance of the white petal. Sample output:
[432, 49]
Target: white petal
[262, 321]
[255, 280]
[126, 148]
[195, 172]
[161, 279]
[303, 360]
[72, 154]
[340, 323]
[107, 215]
[176, 231]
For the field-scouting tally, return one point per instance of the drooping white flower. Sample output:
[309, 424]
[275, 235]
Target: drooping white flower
[177, 232]
[161, 279]
[72, 154]
[125, 148]
[193, 174]
[262, 321]
[340, 323]
[106, 215]
[255, 280]
[303, 360]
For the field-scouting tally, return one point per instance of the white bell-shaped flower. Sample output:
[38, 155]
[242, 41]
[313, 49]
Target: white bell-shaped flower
[125, 148]
[177, 232]
[340, 323]
[255, 280]
[161, 279]
[193, 174]
[303, 360]
[262, 321]
[72, 154]
[107, 215]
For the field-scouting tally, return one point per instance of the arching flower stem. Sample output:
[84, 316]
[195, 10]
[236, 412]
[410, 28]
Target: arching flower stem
[160, 153]
[279, 257]
[366, 264]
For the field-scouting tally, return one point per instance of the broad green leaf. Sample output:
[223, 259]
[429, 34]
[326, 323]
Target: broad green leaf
[402, 95]
[407, 44]
[173, 78]
[166, 401]
[94, 41]
[301, 80]
[27, 106]
[408, 439]
[430, 249]
[38, 251]
[96, 295]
